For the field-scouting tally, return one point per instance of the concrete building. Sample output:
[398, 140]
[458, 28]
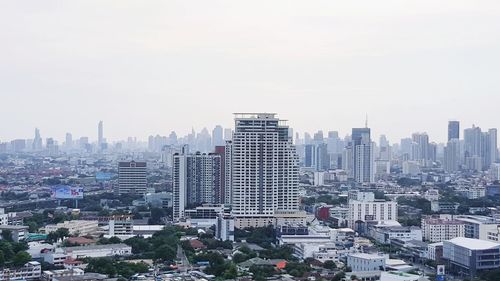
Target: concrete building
[19, 232]
[370, 209]
[470, 256]
[132, 177]
[98, 251]
[121, 226]
[30, 271]
[441, 227]
[385, 235]
[264, 169]
[75, 227]
[481, 227]
[360, 262]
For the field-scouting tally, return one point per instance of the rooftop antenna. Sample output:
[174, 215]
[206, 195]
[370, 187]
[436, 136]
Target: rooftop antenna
[366, 121]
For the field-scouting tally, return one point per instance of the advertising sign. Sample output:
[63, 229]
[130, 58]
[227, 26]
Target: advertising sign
[67, 192]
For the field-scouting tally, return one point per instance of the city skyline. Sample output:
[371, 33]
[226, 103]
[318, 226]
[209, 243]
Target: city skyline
[321, 65]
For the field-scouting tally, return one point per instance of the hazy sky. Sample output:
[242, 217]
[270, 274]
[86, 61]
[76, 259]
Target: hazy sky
[148, 67]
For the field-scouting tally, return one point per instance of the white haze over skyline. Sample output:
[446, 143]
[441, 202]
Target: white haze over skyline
[150, 67]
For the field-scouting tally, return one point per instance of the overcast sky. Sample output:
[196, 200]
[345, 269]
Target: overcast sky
[149, 67]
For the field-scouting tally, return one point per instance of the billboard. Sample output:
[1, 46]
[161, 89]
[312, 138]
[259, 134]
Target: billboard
[67, 192]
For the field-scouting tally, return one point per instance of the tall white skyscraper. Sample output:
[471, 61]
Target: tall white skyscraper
[264, 169]
[362, 151]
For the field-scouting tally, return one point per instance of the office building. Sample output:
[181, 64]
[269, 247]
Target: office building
[264, 169]
[470, 256]
[363, 163]
[197, 179]
[453, 130]
[132, 177]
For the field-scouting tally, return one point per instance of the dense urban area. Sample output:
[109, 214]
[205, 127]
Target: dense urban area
[254, 202]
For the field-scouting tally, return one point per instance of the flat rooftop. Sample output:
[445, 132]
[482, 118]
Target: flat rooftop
[473, 244]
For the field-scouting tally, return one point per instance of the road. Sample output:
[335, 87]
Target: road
[184, 264]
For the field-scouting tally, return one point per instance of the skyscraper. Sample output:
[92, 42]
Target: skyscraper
[197, 179]
[452, 155]
[132, 177]
[69, 141]
[37, 141]
[100, 135]
[217, 136]
[265, 169]
[362, 151]
[453, 130]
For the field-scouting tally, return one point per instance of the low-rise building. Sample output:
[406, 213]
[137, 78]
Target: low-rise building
[384, 234]
[98, 251]
[441, 227]
[481, 227]
[365, 262]
[444, 207]
[435, 252]
[75, 227]
[30, 271]
[19, 232]
[469, 256]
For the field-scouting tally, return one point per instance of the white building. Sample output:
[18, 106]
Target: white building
[432, 250]
[370, 209]
[385, 235]
[75, 227]
[441, 228]
[264, 169]
[121, 226]
[472, 193]
[360, 262]
[432, 195]
[30, 271]
[98, 251]
[19, 232]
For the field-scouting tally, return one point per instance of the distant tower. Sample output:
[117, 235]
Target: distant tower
[453, 130]
[100, 135]
[37, 142]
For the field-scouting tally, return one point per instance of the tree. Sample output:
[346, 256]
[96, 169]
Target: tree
[231, 272]
[165, 253]
[7, 235]
[21, 258]
[62, 233]
[297, 269]
[114, 240]
[330, 265]
[2, 258]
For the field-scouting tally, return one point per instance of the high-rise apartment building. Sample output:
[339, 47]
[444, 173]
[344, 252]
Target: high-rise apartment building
[264, 169]
[197, 179]
[363, 207]
[363, 163]
[453, 130]
[132, 177]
